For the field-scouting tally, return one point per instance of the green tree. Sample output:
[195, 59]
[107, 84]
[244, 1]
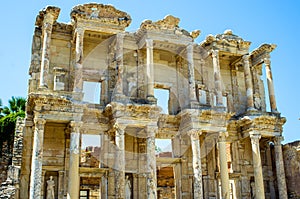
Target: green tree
[1, 109]
[15, 109]
[16, 104]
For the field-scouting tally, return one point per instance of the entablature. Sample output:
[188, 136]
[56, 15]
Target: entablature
[226, 42]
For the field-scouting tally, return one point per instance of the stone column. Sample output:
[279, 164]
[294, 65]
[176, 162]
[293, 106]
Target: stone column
[104, 191]
[191, 76]
[37, 159]
[61, 184]
[270, 85]
[151, 164]
[78, 69]
[225, 189]
[49, 19]
[119, 64]
[258, 176]
[197, 169]
[280, 168]
[248, 82]
[150, 71]
[217, 78]
[120, 162]
[74, 179]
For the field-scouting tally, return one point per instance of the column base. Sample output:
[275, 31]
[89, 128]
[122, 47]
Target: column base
[121, 98]
[43, 87]
[194, 104]
[220, 108]
[151, 100]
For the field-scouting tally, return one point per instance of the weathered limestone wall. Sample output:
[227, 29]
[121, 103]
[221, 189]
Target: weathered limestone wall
[291, 155]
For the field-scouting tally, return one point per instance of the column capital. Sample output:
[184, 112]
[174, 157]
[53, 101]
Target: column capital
[151, 130]
[190, 47]
[214, 53]
[120, 35]
[79, 31]
[119, 127]
[76, 125]
[267, 60]
[149, 43]
[223, 136]
[246, 58]
[277, 140]
[255, 137]
[194, 133]
[39, 121]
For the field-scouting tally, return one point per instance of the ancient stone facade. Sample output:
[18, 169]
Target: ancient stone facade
[291, 154]
[224, 139]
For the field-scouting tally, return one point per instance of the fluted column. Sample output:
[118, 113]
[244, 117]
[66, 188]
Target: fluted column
[49, 19]
[217, 78]
[74, 179]
[225, 189]
[151, 164]
[270, 85]
[248, 83]
[280, 168]
[258, 176]
[37, 159]
[197, 169]
[119, 63]
[78, 81]
[150, 71]
[191, 76]
[120, 162]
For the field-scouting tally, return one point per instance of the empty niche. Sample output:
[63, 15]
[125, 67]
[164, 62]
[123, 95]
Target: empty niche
[91, 92]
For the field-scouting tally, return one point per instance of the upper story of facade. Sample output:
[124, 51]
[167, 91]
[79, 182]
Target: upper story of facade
[93, 60]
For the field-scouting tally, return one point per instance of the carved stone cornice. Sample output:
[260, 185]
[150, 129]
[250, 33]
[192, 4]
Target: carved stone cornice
[169, 24]
[52, 10]
[105, 14]
[133, 110]
[259, 54]
[265, 125]
[227, 39]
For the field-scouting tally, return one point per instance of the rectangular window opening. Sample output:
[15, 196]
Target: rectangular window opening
[90, 151]
[162, 96]
[202, 96]
[163, 148]
[91, 92]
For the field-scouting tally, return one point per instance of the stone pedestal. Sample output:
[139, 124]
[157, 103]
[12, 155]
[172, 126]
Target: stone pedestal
[280, 168]
[258, 176]
[74, 179]
[37, 159]
[223, 167]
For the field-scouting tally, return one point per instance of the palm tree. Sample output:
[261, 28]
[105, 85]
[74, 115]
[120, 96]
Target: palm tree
[16, 104]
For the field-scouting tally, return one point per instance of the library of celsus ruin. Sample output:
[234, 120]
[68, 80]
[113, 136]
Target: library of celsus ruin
[91, 81]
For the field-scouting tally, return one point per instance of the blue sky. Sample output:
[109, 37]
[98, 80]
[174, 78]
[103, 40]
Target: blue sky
[260, 22]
